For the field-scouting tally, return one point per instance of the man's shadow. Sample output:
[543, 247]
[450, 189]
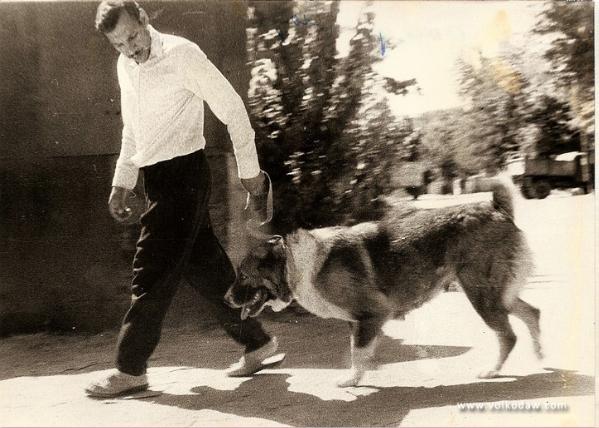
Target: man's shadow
[267, 396]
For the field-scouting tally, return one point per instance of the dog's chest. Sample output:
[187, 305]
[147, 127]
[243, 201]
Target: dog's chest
[310, 299]
[306, 293]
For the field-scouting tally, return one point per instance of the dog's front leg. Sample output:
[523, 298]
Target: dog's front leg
[364, 339]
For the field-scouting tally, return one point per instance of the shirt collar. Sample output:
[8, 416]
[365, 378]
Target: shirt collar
[156, 46]
[156, 49]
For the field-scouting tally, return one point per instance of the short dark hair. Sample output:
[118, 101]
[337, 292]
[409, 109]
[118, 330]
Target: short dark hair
[109, 11]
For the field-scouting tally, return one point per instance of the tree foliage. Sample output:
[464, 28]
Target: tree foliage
[323, 130]
[509, 114]
[572, 51]
[444, 146]
[496, 90]
[552, 118]
[572, 57]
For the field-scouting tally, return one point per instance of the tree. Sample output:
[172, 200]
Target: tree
[312, 110]
[572, 58]
[498, 109]
[553, 117]
[572, 50]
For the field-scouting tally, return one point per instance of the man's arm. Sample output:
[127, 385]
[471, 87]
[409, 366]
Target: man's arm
[125, 174]
[204, 79]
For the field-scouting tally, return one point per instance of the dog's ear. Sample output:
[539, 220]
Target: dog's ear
[275, 240]
[277, 245]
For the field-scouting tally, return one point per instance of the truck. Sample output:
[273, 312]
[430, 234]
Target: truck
[536, 177]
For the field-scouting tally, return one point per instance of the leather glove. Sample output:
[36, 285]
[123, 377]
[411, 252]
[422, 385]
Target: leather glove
[258, 207]
[257, 185]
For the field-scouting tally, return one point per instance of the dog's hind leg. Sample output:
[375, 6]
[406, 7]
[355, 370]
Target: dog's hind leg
[489, 306]
[530, 316]
[364, 338]
[498, 320]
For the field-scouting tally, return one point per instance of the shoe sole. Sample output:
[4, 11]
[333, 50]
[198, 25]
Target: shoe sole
[135, 389]
[268, 363]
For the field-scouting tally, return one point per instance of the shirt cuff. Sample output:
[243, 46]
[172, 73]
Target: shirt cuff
[125, 177]
[248, 171]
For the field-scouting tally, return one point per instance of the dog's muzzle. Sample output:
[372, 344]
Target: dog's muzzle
[229, 299]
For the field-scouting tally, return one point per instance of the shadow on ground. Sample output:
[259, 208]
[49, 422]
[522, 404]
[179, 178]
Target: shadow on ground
[267, 396]
[334, 352]
[309, 342]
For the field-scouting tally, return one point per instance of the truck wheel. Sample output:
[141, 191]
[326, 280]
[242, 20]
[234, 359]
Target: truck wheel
[542, 189]
[527, 191]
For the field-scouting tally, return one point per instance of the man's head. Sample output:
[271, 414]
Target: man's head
[125, 25]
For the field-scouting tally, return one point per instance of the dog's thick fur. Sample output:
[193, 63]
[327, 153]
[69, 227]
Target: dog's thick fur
[375, 271]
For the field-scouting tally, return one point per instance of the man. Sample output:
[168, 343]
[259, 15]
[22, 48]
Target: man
[164, 82]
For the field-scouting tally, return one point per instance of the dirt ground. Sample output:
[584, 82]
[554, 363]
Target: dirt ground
[428, 362]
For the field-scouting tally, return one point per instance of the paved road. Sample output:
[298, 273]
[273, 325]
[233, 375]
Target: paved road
[428, 362]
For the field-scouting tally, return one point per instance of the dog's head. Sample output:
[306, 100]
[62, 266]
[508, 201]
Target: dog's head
[261, 280]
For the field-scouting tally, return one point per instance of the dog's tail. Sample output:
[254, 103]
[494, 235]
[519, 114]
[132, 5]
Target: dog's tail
[502, 198]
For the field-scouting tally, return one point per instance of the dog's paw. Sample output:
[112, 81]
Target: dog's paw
[488, 374]
[353, 379]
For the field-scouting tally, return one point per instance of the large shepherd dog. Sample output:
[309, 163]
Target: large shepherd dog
[375, 271]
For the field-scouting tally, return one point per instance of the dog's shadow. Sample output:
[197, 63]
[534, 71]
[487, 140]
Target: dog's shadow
[329, 346]
[391, 350]
[267, 396]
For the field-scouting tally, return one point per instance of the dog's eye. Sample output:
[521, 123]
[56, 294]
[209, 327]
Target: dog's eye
[243, 276]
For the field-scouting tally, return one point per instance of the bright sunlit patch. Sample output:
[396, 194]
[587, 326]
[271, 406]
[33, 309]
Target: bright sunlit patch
[322, 384]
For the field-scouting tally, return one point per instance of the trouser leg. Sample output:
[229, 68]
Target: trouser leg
[155, 282]
[177, 193]
[210, 272]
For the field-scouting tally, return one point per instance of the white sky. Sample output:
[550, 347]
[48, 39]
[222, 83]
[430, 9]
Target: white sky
[430, 36]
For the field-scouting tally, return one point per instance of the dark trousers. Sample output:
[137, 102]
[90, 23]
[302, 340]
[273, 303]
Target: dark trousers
[176, 243]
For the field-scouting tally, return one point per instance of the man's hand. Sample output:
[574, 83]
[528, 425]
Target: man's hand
[117, 204]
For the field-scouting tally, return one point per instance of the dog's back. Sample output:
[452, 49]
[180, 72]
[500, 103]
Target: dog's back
[416, 251]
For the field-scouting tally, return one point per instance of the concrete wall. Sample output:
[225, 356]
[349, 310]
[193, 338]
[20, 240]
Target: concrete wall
[64, 263]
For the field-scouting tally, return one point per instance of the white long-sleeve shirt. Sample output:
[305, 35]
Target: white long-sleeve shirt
[162, 104]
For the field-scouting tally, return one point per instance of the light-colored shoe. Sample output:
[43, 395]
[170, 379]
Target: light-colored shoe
[253, 362]
[117, 384]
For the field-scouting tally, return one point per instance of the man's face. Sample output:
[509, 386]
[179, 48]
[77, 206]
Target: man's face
[131, 37]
